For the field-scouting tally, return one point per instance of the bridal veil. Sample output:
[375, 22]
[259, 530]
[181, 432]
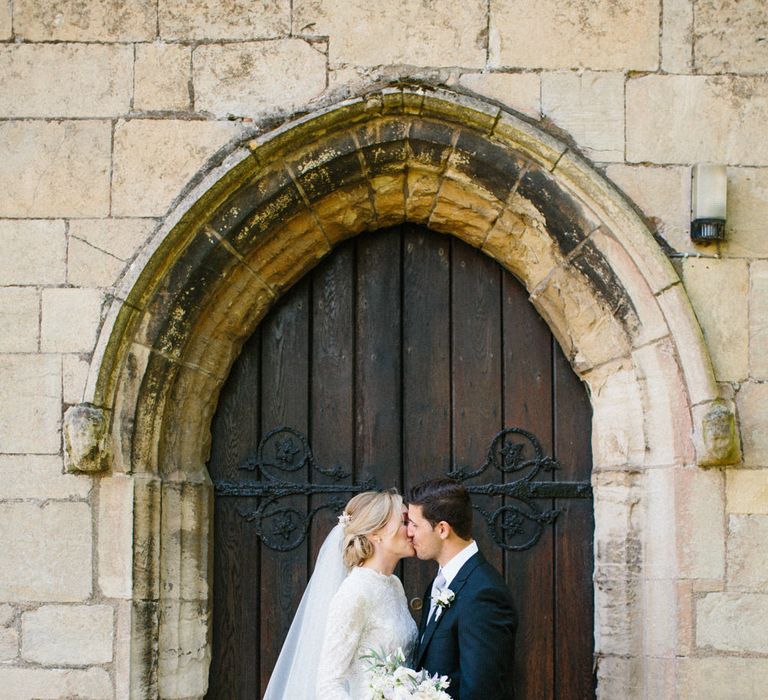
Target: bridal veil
[293, 677]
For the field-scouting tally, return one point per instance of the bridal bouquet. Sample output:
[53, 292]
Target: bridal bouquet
[390, 679]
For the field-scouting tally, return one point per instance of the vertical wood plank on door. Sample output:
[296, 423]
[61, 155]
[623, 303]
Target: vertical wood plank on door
[528, 405]
[574, 530]
[284, 392]
[236, 547]
[426, 374]
[332, 378]
[476, 371]
[378, 371]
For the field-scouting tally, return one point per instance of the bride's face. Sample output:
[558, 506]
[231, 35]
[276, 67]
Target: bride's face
[394, 537]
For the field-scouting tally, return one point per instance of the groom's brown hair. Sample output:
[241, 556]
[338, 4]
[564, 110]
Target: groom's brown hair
[444, 499]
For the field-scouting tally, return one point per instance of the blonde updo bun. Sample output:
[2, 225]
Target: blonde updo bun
[369, 512]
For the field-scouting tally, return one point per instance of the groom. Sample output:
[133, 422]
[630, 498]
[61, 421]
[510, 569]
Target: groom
[468, 619]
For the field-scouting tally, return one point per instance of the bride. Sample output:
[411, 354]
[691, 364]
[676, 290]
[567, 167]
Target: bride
[353, 604]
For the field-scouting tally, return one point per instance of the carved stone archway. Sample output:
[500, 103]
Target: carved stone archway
[258, 221]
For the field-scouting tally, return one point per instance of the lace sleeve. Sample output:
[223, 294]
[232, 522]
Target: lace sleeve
[346, 621]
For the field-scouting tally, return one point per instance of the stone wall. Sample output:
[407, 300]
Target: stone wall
[110, 110]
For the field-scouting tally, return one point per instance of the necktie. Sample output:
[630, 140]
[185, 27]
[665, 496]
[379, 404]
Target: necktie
[437, 585]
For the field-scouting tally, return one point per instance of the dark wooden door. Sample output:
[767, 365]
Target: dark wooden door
[400, 358]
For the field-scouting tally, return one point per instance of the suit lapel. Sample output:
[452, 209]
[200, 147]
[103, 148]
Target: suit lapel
[456, 585]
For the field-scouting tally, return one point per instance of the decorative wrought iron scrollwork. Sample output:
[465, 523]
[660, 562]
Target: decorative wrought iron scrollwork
[282, 451]
[516, 525]
[519, 523]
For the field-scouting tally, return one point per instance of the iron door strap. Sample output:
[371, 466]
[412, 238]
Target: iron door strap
[515, 523]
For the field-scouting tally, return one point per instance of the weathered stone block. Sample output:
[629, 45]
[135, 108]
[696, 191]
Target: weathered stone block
[752, 403]
[667, 416]
[46, 555]
[68, 634]
[519, 91]
[34, 252]
[715, 434]
[590, 107]
[19, 319]
[85, 439]
[619, 560]
[371, 34]
[661, 622]
[660, 549]
[747, 553]
[65, 165]
[7, 615]
[122, 646]
[677, 36]
[664, 195]
[624, 284]
[730, 36]
[660, 679]
[120, 238]
[520, 242]
[239, 79]
[39, 477]
[154, 159]
[54, 683]
[183, 667]
[731, 622]
[5, 21]
[91, 267]
[115, 536]
[758, 319]
[70, 319]
[699, 518]
[689, 343]
[747, 209]
[161, 77]
[618, 437]
[9, 644]
[685, 624]
[581, 34]
[74, 371]
[234, 19]
[586, 332]
[65, 80]
[30, 403]
[689, 119]
[95, 20]
[463, 212]
[747, 491]
[618, 677]
[721, 678]
[723, 315]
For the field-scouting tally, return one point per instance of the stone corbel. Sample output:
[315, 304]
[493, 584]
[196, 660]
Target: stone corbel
[715, 435]
[86, 439]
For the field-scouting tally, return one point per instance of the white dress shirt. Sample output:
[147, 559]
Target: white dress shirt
[450, 570]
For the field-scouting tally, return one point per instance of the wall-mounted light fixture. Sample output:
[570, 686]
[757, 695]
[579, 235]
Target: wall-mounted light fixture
[709, 185]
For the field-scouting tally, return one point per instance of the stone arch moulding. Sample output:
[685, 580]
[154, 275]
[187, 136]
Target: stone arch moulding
[259, 220]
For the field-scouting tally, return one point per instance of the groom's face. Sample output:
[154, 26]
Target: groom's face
[425, 538]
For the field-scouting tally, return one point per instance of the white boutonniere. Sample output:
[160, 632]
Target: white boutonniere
[443, 600]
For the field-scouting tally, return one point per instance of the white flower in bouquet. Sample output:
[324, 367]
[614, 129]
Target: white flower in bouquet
[390, 679]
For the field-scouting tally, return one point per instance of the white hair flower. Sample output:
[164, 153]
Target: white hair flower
[345, 518]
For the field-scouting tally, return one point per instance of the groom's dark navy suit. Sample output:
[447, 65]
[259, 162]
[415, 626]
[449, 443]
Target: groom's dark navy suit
[473, 640]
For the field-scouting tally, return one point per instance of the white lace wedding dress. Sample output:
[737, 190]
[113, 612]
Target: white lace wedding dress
[369, 611]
